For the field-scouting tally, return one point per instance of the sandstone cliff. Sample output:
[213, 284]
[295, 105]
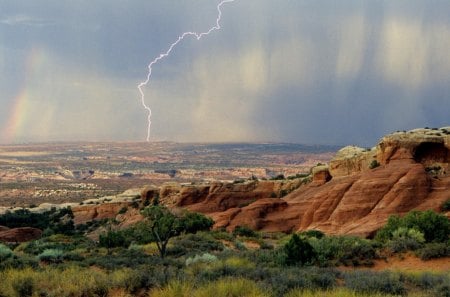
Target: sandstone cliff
[356, 195]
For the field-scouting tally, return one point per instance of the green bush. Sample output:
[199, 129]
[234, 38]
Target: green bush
[244, 231]
[313, 233]
[5, 253]
[347, 250]
[51, 256]
[446, 205]
[113, 239]
[404, 239]
[434, 226]
[299, 251]
[434, 250]
[194, 222]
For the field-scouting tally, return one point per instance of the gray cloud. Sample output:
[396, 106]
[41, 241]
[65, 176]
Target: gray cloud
[298, 71]
[24, 20]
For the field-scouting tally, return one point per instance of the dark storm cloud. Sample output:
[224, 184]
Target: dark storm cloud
[300, 71]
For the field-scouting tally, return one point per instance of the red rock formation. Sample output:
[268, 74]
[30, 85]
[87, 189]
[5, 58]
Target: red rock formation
[86, 213]
[357, 200]
[20, 234]
[349, 197]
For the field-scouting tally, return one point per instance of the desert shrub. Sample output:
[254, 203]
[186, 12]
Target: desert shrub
[205, 258]
[15, 262]
[113, 239]
[404, 239]
[191, 244]
[278, 177]
[266, 258]
[126, 258]
[123, 210]
[244, 231]
[313, 233]
[221, 235]
[194, 222]
[298, 251]
[446, 205]
[434, 250]
[347, 250]
[434, 226]
[340, 292]
[5, 252]
[442, 290]
[428, 280]
[374, 164]
[228, 287]
[24, 287]
[280, 281]
[51, 256]
[375, 282]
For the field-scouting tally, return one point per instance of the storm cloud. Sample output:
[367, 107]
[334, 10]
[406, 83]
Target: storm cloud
[302, 71]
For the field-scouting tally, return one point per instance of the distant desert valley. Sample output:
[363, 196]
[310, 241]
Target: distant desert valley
[31, 174]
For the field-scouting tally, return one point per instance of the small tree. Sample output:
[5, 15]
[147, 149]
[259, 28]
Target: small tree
[298, 251]
[164, 224]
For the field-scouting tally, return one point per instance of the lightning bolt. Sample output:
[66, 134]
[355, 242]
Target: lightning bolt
[163, 55]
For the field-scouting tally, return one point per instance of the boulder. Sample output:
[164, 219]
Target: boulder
[17, 235]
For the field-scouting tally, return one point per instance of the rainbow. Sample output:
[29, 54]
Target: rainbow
[17, 122]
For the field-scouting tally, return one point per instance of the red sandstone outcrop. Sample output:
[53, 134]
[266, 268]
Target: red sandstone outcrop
[86, 213]
[20, 234]
[353, 199]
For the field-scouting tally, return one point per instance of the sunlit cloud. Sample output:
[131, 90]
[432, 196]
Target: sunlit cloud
[413, 54]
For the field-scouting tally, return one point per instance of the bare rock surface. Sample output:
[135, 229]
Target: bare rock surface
[16, 235]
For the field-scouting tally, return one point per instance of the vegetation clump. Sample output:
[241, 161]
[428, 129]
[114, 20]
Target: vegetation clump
[173, 253]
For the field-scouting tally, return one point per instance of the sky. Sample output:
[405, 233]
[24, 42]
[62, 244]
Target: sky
[300, 71]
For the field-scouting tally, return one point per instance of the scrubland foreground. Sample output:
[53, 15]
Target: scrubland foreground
[176, 254]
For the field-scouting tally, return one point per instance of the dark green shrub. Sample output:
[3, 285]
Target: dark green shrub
[374, 282]
[313, 233]
[5, 253]
[191, 244]
[298, 251]
[24, 287]
[434, 250]
[446, 205]
[194, 222]
[113, 239]
[244, 231]
[123, 210]
[374, 164]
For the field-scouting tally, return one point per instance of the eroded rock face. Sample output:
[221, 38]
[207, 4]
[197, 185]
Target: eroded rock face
[17, 235]
[350, 197]
[86, 213]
